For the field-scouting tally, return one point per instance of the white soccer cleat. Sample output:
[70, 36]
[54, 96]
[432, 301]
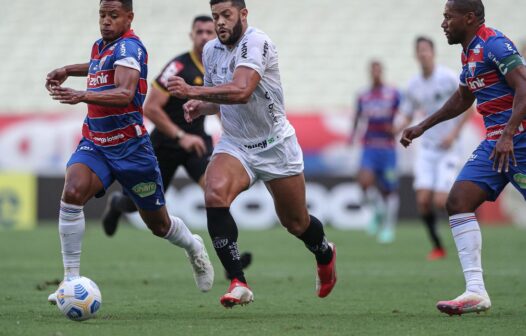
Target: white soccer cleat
[468, 302]
[202, 267]
[52, 298]
[238, 294]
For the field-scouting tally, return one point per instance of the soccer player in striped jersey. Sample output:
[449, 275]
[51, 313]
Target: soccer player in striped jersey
[115, 145]
[493, 74]
[378, 174]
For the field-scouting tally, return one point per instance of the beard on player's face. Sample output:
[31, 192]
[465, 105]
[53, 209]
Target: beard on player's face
[233, 35]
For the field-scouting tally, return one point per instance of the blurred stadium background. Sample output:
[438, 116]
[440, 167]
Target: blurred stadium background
[324, 46]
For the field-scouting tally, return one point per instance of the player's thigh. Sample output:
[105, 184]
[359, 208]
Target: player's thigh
[290, 202]
[169, 160]
[366, 178]
[226, 177]
[387, 171]
[140, 178]
[440, 199]
[87, 175]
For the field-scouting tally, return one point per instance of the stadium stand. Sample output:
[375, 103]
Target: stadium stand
[324, 46]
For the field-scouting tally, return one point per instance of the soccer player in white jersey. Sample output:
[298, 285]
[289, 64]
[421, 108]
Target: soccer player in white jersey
[438, 158]
[242, 82]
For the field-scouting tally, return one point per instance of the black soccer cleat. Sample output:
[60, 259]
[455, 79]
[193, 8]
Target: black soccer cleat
[111, 215]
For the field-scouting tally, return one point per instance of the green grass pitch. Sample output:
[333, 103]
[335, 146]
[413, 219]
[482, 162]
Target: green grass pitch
[147, 286]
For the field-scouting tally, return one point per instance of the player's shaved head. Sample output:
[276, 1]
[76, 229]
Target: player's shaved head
[470, 6]
[240, 4]
[126, 4]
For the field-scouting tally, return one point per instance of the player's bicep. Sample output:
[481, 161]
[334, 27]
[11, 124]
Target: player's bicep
[127, 78]
[246, 79]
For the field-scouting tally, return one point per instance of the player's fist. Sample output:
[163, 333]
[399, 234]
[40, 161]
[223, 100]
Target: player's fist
[178, 87]
[192, 110]
[411, 133]
[55, 78]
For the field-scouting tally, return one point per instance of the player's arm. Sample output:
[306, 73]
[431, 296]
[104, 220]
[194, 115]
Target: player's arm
[455, 133]
[58, 76]
[154, 110]
[459, 102]
[126, 81]
[356, 121]
[503, 151]
[239, 91]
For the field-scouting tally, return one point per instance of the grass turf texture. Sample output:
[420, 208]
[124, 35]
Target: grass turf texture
[147, 286]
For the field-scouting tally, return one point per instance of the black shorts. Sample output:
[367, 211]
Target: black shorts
[170, 158]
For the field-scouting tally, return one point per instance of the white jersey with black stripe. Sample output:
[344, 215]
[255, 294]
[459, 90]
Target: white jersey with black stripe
[261, 123]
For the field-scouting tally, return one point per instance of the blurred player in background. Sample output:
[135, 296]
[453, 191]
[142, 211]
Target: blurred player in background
[493, 74]
[242, 81]
[175, 142]
[115, 144]
[378, 174]
[437, 160]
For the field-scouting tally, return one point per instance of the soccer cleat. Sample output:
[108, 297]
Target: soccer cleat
[238, 294]
[52, 298]
[468, 302]
[202, 267]
[326, 275]
[386, 236]
[111, 215]
[436, 254]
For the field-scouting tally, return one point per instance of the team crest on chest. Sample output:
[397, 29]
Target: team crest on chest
[472, 67]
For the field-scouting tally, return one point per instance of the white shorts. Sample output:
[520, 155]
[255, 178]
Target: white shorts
[282, 160]
[436, 169]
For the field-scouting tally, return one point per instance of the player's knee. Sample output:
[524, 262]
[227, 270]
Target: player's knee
[159, 228]
[424, 206]
[216, 197]
[73, 195]
[296, 225]
[454, 205]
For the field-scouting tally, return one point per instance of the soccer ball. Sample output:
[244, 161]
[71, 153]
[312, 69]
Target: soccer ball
[79, 299]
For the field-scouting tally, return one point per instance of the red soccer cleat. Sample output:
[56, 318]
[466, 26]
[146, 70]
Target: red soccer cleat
[436, 254]
[238, 294]
[326, 277]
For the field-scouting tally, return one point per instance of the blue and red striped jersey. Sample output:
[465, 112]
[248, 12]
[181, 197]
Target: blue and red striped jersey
[483, 72]
[379, 106]
[117, 131]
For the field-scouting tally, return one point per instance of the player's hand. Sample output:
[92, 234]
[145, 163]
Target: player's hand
[178, 87]
[411, 133]
[502, 154]
[55, 78]
[192, 110]
[190, 143]
[67, 95]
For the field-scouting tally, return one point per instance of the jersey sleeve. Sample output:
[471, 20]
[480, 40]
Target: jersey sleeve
[254, 53]
[173, 68]
[129, 54]
[502, 54]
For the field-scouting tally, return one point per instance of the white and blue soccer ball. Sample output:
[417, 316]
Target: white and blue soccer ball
[79, 299]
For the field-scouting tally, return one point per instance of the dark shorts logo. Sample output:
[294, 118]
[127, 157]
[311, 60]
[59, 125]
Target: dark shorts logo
[145, 189]
[520, 179]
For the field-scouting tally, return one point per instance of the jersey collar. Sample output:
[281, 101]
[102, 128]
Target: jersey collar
[129, 34]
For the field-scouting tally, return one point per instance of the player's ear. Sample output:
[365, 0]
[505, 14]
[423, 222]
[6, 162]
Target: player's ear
[130, 15]
[244, 14]
[470, 18]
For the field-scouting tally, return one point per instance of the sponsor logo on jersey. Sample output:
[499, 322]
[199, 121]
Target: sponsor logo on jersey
[145, 189]
[476, 84]
[244, 50]
[520, 179]
[265, 49]
[97, 80]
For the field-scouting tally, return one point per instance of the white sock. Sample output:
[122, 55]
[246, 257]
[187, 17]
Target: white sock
[71, 225]
[373, 198]
[392, 203]
[466, 232]
[181, 236]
